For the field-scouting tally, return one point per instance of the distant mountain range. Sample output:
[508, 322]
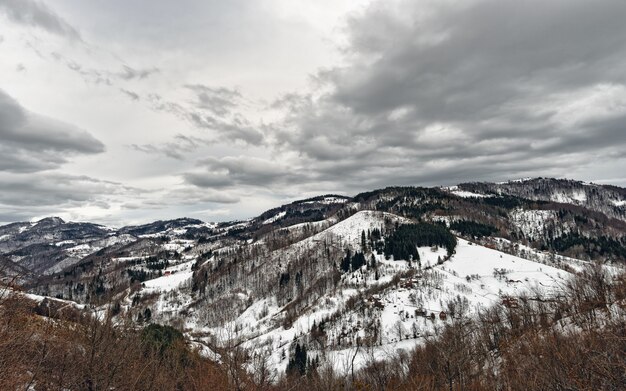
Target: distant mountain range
[379, 269]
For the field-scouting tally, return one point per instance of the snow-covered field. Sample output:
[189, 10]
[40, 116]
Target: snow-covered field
[474, 278]
[478, 275]
[393, 306]
[465, 194]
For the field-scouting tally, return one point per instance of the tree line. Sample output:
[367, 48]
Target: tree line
[403, 242]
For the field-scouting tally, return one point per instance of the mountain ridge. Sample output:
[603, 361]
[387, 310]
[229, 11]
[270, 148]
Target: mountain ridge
[382, 269]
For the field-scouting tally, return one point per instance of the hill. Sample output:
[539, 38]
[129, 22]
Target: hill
[342, 283]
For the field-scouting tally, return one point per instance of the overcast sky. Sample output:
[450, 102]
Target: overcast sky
[123, 112]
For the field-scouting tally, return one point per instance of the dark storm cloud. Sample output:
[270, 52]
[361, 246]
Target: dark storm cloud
[433, 90]
[33, 13]
[31, 142]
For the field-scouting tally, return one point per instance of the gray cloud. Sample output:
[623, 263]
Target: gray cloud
[176, 149]
[233, 171]
[24, 197]
[100, 76]
[89, 75]
[236, 129]
[129, 73]
[31, 142]
[56, 189]
[33, 13]
[430, 92]
[193, 196]
[231, 127]
[219, 101]
[489, 89]
[131, 94]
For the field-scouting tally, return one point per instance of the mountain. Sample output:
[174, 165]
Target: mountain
[48, 245]
[606, 199]
[351, 279]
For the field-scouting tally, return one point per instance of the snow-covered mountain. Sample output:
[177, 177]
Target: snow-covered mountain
[609, 200]
[352, 279]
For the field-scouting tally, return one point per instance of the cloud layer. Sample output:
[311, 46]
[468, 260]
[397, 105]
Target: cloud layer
[36, 14]
[31, 142]
[209, 115]
[436, 92]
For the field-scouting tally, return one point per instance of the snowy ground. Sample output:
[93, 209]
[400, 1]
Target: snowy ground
[463, 193]
[475, 277]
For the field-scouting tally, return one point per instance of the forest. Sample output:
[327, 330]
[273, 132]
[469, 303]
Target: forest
[403, 242]
[534, 344]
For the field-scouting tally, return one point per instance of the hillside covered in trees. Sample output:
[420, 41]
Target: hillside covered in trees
[533, 344]
[397, 288]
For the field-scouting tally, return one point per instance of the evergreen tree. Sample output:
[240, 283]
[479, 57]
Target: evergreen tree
[357, 261]
[298, 363]
[403, 243]
[345, 262]
[363, 242]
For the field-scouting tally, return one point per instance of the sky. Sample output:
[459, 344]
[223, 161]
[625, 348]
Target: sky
[124, 112]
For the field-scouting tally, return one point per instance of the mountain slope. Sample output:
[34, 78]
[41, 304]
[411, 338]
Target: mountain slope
[350, 279]
[606, 199]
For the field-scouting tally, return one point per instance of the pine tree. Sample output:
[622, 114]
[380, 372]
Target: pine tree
[345, 262]
[357, 261]
[298, 363]
[363, 242]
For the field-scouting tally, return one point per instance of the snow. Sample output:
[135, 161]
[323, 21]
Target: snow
[468, 274]
[116, 239]
[65, 242]
[177, 245]
[39, 299]
[519, 180]
[25, 228]
[477, 260]
[469, 194]
[275, 218]
[618, 202]
[350, 229]
[532, 223]
[477, 275]
[463, 193]
[179, 274]
[328, 201]
[576, 197]
[126, 259]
